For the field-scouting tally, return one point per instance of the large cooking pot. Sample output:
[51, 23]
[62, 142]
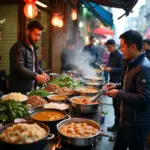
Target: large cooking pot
[38, 145]
[79, 141]
[85, 91]
[73, 73]
[86, 109]
[98, 85]
[54, 75]
[94, 79]
[51, 124]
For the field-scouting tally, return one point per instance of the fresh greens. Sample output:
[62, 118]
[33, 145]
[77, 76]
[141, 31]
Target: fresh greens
[41, 93]
[10, 110]
[66, 81]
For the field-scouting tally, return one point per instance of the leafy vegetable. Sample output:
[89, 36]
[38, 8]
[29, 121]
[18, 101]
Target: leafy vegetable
[10, 110]
[41, 93]
[66, 81]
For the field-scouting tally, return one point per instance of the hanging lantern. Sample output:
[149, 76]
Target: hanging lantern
[30, 9]
[55, 19]
[60, 22]
[74, 14]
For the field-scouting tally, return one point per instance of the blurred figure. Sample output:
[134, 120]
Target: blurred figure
[92, 52]
[115, 69]
[67, 56]
[105, 58]
[134, 94]
[146, 47]
[101, 51]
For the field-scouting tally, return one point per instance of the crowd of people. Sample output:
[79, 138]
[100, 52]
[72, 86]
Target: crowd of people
[129, 78]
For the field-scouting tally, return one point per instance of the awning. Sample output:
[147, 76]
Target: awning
[99, 12]
[103, 31]
[127, 5]
[147, 33]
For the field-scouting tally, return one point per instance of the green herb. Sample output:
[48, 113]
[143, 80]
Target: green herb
[10, 110]
[66, 81]
[41, 93]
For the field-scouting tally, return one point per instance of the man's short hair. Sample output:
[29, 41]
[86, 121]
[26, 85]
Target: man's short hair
[91, 37]
[110, 42]
[35, 24]
[70, 42]
[133, 37]
[147, 41]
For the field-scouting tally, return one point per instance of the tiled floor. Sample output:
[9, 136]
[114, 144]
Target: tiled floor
[105, 144]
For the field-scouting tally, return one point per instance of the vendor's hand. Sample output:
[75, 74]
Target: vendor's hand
[46, 76]
[102, 67]
[41, 79]
[107, 69]
[109, 86]
[112, 93]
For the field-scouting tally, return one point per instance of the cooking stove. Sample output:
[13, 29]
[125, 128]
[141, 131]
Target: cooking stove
[93, 116]
[64, 146]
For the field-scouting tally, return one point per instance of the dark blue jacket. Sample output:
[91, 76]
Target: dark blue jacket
[67, 60]
[115, 61]
[93, 53]
[135, 95]
[148, 54]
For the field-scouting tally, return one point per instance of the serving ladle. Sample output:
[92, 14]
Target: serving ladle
[94, 98]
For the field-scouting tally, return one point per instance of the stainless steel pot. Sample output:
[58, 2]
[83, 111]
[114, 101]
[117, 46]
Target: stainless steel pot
[79, 141]
[84, 109]
[82, 141]
[38, 145]
[73, 73]
[54, 75]
[81, 93]
[93, 79]
[98, 85]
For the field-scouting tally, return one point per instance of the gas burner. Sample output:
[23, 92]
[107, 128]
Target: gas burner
[94, 116]
[86, 115]
[64, 146]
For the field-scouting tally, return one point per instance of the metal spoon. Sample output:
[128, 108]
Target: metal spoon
[94, 98]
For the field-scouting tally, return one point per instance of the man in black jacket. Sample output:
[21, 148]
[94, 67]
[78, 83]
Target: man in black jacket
[67, 56]
[134, 94]
[115, 69]
[24, 68]
[146, 47]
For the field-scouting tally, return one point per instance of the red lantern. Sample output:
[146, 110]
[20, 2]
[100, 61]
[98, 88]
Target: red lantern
[74, 14]
[30, 9]
[60, 22]
[55, 19]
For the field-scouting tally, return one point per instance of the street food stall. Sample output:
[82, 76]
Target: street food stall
[60, 112]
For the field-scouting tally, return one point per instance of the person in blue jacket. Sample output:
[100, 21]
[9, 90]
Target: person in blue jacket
[91, 52]
[134, 93]
[115, 69]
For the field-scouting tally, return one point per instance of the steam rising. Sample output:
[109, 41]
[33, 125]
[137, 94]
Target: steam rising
[83, 60]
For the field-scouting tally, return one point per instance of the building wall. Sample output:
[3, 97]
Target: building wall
[9, 31]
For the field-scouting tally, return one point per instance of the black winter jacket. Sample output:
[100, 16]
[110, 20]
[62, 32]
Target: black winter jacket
[135, 96]
[148, 54]
[21, 75]
[115, 61]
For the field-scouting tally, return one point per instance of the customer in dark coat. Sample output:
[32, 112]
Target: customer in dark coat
[91, 52]
[146, 47]
[134, 94]
[115, 69]
[68, 56]
[24, 68]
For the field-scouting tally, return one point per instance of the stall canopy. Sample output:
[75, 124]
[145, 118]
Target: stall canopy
[103, 31]
[99, 12]
[127, 5]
